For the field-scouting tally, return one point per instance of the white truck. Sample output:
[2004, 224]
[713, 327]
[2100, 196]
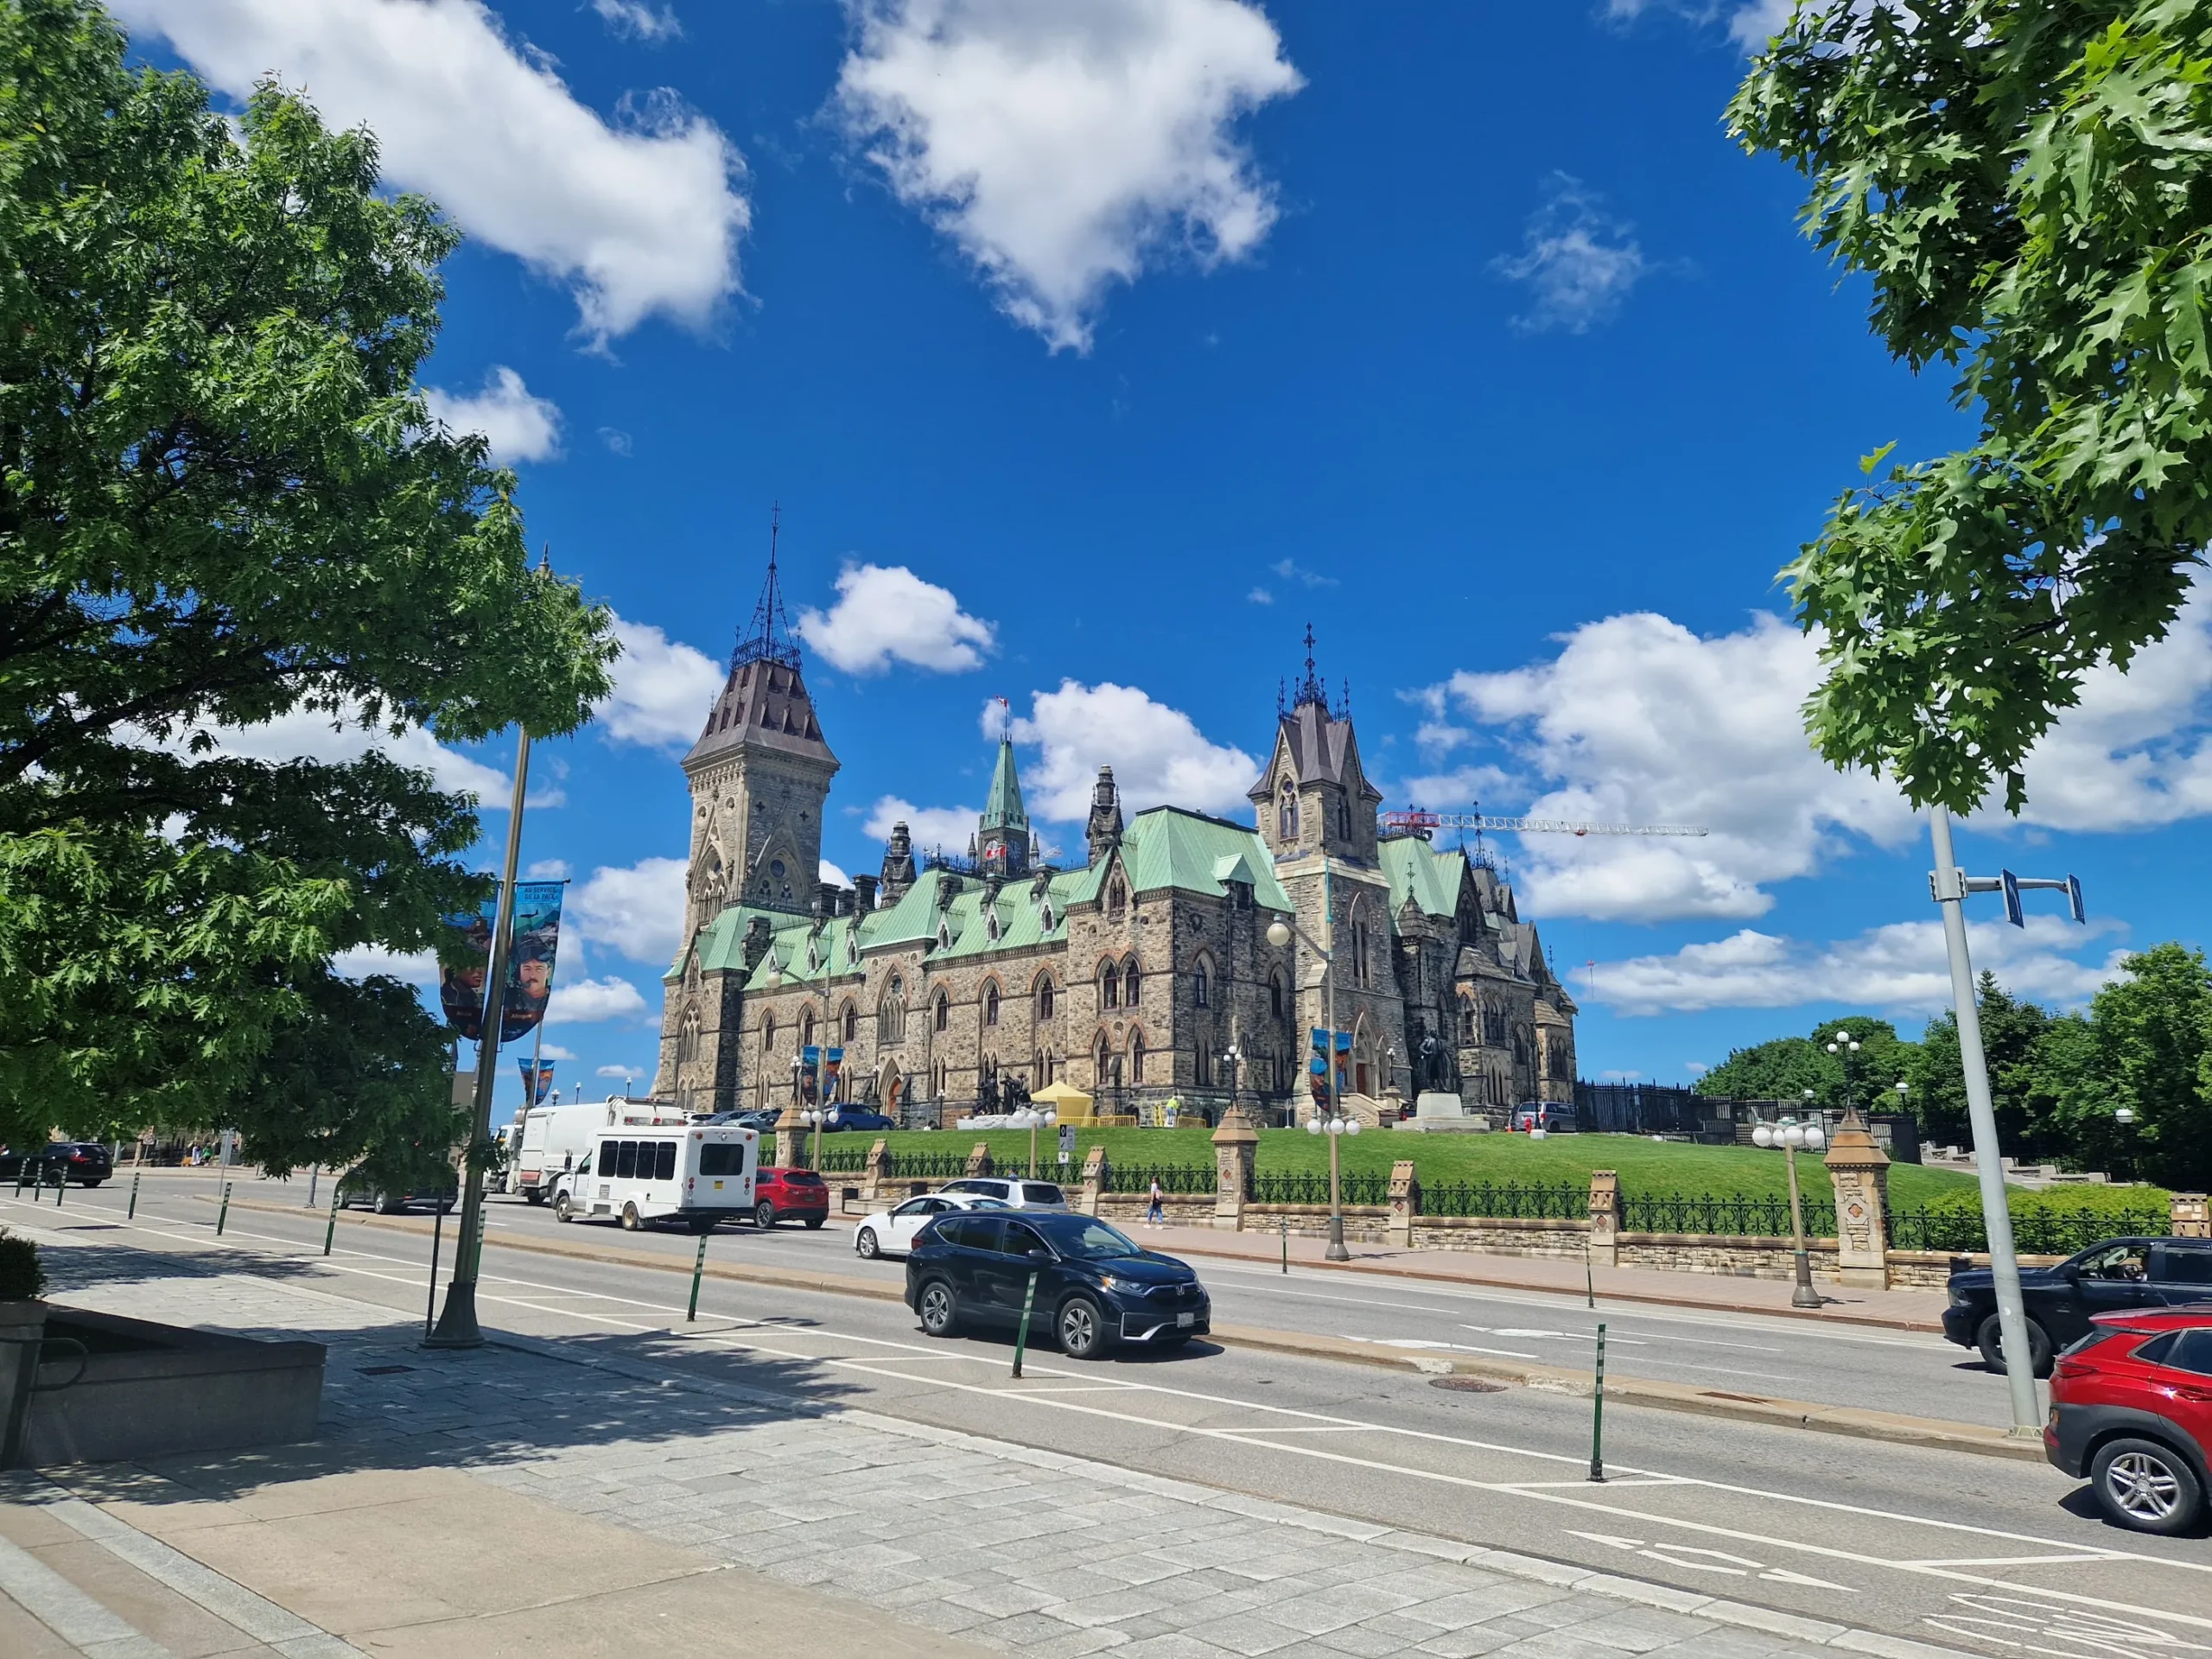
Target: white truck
[547, 1140]
[697, 1174]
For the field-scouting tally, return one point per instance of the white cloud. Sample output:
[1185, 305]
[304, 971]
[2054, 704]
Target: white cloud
[617, 440]
[637, 20]
[1898, 968]
[1158, 754]
[1579, 266]
[662, 689]
[638, 909]
[1291, 570]
[1261, 596]
[519, 427]
[306, 734]
[589, 1000]
[1063, 147]
[1696, 1068]
[418, 968]
[618, 1072]
[887, 613]
[1752, 23]
[547, 869]
[930, 827]
[826, 871]
[638, 218]
[554, 1052]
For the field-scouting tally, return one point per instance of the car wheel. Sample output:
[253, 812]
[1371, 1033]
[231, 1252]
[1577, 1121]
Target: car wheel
[387, 1203]
[865, 1245]
[562, 1210]
[630, 1220]
[940, 1314]
[1991, 1340]
[531, 1195]
[1082, 1329]
[815, 1221]
[2146, 1486]
[764, 1214]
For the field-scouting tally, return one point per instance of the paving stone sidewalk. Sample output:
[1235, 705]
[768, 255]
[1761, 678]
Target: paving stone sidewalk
[1010, 1547]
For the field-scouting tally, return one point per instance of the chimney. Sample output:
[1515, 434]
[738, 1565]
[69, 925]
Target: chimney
[864, 894]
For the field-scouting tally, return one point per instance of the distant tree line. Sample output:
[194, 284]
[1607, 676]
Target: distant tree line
[2058, 1080]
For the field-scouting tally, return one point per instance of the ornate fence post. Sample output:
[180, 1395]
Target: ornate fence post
[2191, 1217]
[1235, 1145]
[876, 1175]
[1860, 1171]
[1094, 1180]
[1405, 1202]
[979, 1159]
[790, 1132]
[1604, 1241]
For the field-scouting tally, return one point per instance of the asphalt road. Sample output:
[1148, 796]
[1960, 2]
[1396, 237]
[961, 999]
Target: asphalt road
[1971, 1552]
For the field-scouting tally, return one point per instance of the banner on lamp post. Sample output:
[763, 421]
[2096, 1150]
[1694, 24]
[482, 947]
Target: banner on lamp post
[536, 1082]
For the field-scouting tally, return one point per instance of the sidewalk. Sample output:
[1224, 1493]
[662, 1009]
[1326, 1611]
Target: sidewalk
[1902, 1310]
[586, 1493]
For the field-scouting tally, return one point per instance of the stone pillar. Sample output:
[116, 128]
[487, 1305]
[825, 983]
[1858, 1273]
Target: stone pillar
[979, 1159]
[1094, 1180]
[791, 1133]
[2191, 1216]
[876, 1180]
[1604, 1241]
[1405, 1202]
[1860, 1171]
[1236, 1144]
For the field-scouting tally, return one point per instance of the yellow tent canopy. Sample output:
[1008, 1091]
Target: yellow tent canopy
[1070, 1102]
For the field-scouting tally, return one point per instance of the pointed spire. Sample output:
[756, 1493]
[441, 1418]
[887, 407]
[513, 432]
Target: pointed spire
[1003, 808]
[769, 637]
[1310, 689]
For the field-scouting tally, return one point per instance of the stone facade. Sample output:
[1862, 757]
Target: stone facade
[1144, 971]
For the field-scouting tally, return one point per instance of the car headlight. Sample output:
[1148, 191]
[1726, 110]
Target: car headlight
[1960, 1299]
[1113, 1283]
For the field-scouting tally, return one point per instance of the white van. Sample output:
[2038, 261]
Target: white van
[550, 1139]
[637, 1174]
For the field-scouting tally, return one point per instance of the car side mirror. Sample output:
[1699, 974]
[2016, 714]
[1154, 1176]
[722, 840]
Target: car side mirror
[1040, 1255]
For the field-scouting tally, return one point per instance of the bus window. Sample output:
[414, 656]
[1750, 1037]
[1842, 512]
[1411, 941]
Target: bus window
[663, 1161]
[722, 1158]
[625, 1160]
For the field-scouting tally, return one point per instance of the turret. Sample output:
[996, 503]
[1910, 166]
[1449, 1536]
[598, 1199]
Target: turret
[1104, 829]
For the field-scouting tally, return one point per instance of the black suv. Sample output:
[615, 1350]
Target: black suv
[87, 1163]
[2109, 1278]
[1095, 1286]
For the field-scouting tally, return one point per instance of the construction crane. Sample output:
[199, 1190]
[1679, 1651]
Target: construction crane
[1426, 824]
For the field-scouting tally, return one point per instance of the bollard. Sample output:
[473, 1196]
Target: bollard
[698, 1271]
[1589, 1284]
[23, 1168]
[1021, 1335]
[1285, 1243]
[131, 1213]
[60, 1184]
[331, 1231]
[437, 1238]
[1598, 1415]
[223, 1210]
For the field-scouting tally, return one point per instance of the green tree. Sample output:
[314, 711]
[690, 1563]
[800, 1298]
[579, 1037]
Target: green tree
[2028, 187]
[2153, 1054]
[222, 501]
[1783, 1068]
[2011, 1029]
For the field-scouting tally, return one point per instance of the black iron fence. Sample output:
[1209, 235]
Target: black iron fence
[1311, 1186]
[901, 1165]
[2035, 1232]
[1508, 1200]
[1726, 1217]
[1173, 1178]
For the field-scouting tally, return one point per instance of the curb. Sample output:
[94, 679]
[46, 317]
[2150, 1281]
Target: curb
[1850, 1421]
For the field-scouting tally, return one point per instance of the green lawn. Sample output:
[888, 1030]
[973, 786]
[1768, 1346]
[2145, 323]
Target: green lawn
[1647, 1167]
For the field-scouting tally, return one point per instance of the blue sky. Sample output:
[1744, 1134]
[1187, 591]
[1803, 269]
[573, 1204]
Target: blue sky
[1092, 350]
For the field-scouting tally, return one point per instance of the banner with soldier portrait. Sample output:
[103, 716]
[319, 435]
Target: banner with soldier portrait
[531, 947]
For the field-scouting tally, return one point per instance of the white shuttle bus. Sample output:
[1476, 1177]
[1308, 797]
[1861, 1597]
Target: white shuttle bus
[635, 1174]
[550, 1139]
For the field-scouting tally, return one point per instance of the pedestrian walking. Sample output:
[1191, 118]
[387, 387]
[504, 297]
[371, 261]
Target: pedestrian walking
[1153, 1215]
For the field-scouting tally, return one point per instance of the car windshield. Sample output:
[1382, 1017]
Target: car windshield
[1094, 1241]
[2113, 1261]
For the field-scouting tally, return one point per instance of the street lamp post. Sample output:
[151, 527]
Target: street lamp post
[1033, 1118]
[1280, 933]
[1844, 1047]
[1229, 1057]
[1790, 1134]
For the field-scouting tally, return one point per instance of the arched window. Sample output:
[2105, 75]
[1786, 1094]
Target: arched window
[1100, 1060]
[1132, 984]
[1468, 1030]
[1359, 950]
[891, 1013]
[1137, 1057]
[943, 1010]
[1274, 995]
[852, 1022]
[1287, 814]
[1344, 820]
[767, 1032]
[806, 1029]
[990, 1004]
[687, 1040]
[1110, 987]
[1200, 991]
[1044, 999]
[1118, 899]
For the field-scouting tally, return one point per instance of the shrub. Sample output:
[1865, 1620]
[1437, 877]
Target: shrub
[21, 1278]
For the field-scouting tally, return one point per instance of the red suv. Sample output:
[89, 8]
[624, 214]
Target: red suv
[789, 1195]
[2131, 1408]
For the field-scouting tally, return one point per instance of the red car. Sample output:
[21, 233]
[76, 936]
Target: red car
[2131, 1409]
[789, 1195]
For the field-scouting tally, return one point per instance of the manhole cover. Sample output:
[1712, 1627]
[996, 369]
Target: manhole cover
[385, 1370]
[1467, 1384]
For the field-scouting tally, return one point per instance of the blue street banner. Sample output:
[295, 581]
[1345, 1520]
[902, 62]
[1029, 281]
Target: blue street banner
[536, 1082]
[462, 965]
[533, 946]
[831, 1064]
[1318, 1066]
[809, 1058]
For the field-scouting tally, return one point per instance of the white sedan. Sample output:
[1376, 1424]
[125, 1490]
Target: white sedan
[891, 1232]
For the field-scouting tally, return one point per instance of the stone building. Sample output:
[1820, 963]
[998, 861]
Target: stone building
[1142, 971]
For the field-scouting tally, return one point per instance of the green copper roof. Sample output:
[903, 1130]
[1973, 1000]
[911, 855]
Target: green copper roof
[1002, 807]
[1432, 877]
[1168, 847]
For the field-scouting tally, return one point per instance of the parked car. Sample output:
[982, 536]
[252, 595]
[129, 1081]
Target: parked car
[1550, 1115]
[389, 1185]
[1012, 1192]
[784, 1194]
[844, 1117]
[2114, 1276]
[1096, 1288]
[759, 1121]
[891, 1232]
[2131, 1410]
[86, 1163]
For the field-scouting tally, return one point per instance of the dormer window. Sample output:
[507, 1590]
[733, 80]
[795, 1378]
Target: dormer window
[944, 936]
[991, 927]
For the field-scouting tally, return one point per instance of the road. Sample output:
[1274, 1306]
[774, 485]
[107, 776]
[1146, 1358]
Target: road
[1972, 1553]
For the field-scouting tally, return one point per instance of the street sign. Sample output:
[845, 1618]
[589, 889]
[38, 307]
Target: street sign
[1067, 1142]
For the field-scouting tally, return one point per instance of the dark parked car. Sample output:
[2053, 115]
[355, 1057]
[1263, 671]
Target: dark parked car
[780, 1194]
[389, 1185]
[85, 1163]
[2131, 1411]
[2114, 1277]
[1095, 1286]
[857, 1118]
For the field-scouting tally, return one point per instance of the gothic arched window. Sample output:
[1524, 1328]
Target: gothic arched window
[1200, 990]
[852, 1022]
[1110, 987]
[1274, 995]
[1137, 1057]
[943, 1010]
[1344, 820]
[1286, 815]
[767, 1032]
[990, 1004]
[1132, 984]
[1117, 898]
[1044, 999]
[806, 1029]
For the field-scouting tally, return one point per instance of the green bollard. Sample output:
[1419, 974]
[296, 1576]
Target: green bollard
[60, 1184]
[1021, 1336]
[1597, 1418]
[698, 1270]
[1285, 1243]
[132, 1213]
[223, 1211]
[331, 1231]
